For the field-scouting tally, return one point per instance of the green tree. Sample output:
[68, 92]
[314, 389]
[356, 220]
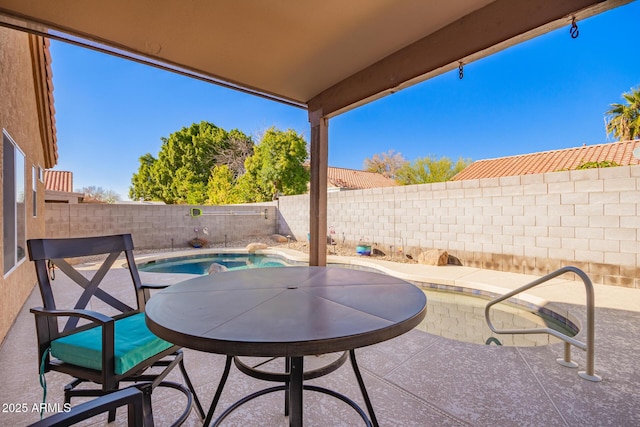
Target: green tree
[222, 188]
[185, 161]
[276, 167]
[182, 170]
[429, 169]
[386, 164]
[623, 120]
[143, 184]
[235, 153]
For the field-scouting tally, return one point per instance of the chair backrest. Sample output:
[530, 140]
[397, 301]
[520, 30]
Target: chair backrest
[61, 252]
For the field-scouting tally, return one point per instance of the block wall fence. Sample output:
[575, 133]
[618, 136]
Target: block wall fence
[159, 226]
[531, 224]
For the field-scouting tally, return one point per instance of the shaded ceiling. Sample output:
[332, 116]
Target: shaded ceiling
[328, 55]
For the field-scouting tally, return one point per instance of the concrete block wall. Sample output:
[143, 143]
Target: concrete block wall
[159, 226]
[531, 224]
[293, 216]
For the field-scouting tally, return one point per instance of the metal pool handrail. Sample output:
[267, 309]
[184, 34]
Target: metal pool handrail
[588, 374]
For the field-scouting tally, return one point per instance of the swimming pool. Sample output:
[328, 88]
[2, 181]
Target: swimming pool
[201, 263]
[450, 313]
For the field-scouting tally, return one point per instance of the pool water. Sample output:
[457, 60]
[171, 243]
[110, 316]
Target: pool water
[461, 317]
[199, 264]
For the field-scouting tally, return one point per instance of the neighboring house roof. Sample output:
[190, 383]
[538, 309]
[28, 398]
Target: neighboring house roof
[58, 187]
[552, 161]
[356, 179]
[58, 181]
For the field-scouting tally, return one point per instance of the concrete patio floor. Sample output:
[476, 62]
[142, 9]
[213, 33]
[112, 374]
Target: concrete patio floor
[417, 379]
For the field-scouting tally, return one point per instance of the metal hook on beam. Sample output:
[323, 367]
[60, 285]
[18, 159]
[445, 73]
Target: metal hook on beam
[574, 29]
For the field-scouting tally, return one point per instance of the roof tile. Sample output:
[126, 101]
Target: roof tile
[58, 180]
[357, 179]
[552, 161]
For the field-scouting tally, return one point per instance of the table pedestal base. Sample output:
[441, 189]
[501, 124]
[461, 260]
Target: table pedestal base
[293, 388]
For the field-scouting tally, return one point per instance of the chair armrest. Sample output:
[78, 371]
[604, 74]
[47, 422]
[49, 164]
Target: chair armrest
[108, 334]
[85, 314]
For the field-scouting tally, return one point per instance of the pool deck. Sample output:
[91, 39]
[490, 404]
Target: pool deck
[416, 379]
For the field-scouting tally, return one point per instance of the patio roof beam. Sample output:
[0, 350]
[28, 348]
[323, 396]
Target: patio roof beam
[499, 25]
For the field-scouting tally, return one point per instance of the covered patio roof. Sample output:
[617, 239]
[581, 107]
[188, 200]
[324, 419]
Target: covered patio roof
[325, 56]
[331, 54]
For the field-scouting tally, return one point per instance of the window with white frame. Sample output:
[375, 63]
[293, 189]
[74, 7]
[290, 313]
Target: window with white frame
[14, 203]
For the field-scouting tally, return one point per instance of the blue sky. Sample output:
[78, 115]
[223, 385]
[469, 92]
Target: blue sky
[548, 93]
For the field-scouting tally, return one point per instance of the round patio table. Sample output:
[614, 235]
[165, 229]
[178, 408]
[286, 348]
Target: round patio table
[287, 312]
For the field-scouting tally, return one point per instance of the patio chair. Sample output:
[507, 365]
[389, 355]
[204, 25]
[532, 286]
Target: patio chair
[135, 399]
[104, 339]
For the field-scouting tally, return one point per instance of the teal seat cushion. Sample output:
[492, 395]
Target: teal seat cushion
[134, 343]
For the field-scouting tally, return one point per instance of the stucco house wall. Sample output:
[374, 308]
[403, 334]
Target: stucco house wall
[20, 108]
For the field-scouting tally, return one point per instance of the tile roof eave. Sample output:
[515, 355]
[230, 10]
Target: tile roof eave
[551, 161]
[43, 82]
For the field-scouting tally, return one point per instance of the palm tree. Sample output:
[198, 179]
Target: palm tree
[623, 121]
